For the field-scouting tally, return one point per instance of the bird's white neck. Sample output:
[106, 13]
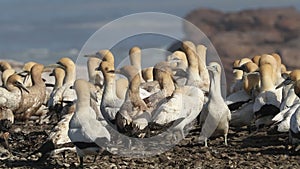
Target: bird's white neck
[70, 75]
[215, 85]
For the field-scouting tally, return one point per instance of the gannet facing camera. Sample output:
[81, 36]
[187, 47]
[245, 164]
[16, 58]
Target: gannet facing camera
[216, 115]
[85, 131]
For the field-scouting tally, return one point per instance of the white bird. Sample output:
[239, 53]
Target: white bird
[64, 94]
[282, 119]
[6, 74]
[243, 116]
[241, 103]
[135, 55]
[294, 132]
[95, 77]
[250, 85]
[26, 69]
[203, 72]
[58, 140]
[33, 100]
[121, 84]
[147, 74]
[11, 97]
[185, 103]
[292, 79]
[134, 111]
[10, 101]
[290, 98]
[217, 115]
[83, 124]
[110, 103]
[193, 78]
[237, 84]
[267, 103]
[3, 67]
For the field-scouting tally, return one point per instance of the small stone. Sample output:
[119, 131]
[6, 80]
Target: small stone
[67, 165]
[17, 130]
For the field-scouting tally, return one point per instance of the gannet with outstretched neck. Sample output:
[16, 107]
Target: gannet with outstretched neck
[217, 115]
[135, 55]
[267, 103]
[203, 72]
[64, 94]
[85, 131]
[110, 103]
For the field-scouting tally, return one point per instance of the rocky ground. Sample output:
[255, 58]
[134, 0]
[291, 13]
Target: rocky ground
[250, 32]
[255, 150]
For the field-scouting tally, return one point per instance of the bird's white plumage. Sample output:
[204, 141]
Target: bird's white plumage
[282, 119]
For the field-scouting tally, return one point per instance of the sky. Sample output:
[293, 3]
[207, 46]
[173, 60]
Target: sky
[41, 27]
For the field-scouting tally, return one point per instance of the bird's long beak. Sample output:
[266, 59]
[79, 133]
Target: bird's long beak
[238, 68]
[51, 74]
[49, 85]
[47, 69]
[98, 68]
[117, 71]
[53, 66]
[96, 55]
[174, 60]
[210, 68]
[179, 71]
[285, 83]
[23, 73]
[21, 85]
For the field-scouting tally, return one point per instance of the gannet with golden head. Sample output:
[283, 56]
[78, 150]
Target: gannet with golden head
[185, 105]
[203, 72]
[6, 70]
[110, 103]
[163, 74]
[134, 111]
[64, 94]
[95, 77]
[256, 59]
[193, 78]
[135, 56]
[34, 99]
[121, 83]
[11, 97]
[237, 84]
[26, 69]
[5, 75]
[267, 103]
[250, 81]
[147, 74]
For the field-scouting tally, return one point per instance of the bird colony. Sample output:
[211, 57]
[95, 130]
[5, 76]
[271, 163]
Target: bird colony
[181, 92]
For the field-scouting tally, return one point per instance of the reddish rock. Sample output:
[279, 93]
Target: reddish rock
[250, 32]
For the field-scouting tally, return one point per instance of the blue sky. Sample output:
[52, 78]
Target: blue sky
[65, 24]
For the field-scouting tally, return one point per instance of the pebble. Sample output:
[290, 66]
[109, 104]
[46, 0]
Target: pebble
[17, 130]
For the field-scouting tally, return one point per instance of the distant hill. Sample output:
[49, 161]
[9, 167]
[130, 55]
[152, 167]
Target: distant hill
[250, 32]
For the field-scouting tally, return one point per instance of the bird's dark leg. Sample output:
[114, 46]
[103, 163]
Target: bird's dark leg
[81, 162]
[95, 158]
